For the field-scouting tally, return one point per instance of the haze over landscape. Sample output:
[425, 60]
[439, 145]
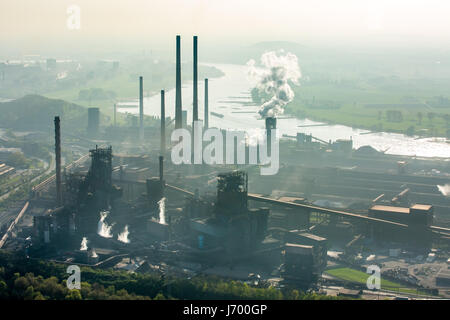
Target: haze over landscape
[212, 149]
[41, 26]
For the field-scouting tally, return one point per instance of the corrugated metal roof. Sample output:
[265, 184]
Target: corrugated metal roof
[298, 248]
[382, 208]
[424, 207]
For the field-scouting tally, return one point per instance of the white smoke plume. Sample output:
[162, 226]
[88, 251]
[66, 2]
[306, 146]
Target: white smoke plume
[272, 79]
[94, 254]
[445, 189]
[123, 237]
[254, 135]
[84, 246]
[103, 229]
[162, 210]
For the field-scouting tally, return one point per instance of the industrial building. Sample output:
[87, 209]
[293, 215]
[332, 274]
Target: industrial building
[133, 204]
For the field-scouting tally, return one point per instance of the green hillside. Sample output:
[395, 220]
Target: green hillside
[36, 113]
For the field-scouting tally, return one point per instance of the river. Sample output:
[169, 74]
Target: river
[230, 96]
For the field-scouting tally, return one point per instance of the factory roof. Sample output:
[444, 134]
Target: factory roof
[208, 226]
[312, 236]
[292, 199]
[4, 169]
[298, 248]
[443, 278]
[349, 292]
[297, 245]
[424, 207]
[381, 208]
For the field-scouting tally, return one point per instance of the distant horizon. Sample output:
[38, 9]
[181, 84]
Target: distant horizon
[42, 27]
[63, 50]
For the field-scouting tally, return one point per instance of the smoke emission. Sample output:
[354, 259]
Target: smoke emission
[162, 210]
[84, 246]
[272, 80]
[123, 237]
[445, 189]
[103, 229]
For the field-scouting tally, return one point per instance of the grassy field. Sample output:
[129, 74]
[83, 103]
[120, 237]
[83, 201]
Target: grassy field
[357, 276]
[121, 83]
[360, 104]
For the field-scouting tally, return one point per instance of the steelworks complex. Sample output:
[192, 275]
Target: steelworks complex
[127, 206]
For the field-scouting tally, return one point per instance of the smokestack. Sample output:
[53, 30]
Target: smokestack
[195, 85]
[161, 169]
[271, 123]
[206, 105]
[195, 94]
[141, 108]
[178, 113]
[58, 162]
[161, 177]
[163, 124]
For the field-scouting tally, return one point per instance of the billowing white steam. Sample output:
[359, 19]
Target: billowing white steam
[123, 237]
[94, 254]
[84, 246]
[272, 79]
[103, 229]
[445, 189]
[162, 210]
[254, 135]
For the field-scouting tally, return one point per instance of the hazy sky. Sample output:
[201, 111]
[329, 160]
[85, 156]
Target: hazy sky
[31, 24]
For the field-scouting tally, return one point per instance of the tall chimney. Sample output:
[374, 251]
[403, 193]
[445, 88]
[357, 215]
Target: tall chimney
[206, 116]
[161, 169]
[195, 85]
[271, 123]
[141, 109]
[178, 113]
[163, 125]
[195, 95]
[58, 162]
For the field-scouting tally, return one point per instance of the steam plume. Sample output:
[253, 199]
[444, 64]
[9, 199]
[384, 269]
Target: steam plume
[103, 229]
[272, 80]
[162, 210]
[123, 237]
[84, 246]
[445, 189]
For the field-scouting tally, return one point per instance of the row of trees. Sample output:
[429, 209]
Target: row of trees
[31, 287]
[22, 278]
[432, 115]
[397, 116]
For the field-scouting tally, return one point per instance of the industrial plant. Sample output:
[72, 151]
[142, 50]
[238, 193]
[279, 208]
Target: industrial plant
[127, 206]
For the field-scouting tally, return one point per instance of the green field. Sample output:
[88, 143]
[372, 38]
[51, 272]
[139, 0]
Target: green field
[357, 276]
[121, 84]
[124, 84]
[361, 104]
